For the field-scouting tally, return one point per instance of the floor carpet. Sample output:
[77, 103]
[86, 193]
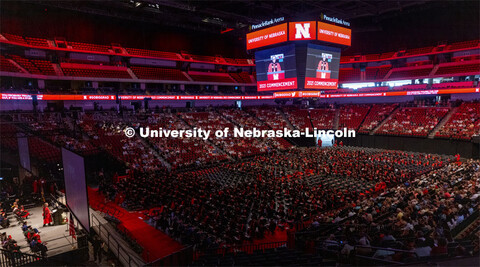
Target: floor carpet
[156, 244]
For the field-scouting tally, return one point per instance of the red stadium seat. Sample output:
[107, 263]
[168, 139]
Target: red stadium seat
[158, 73]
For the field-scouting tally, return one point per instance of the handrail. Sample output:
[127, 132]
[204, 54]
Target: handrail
[248, 248]
[17, 258]
[379, 260]
[114, 245]
[386, 249]
[465, 223]
[178, 258]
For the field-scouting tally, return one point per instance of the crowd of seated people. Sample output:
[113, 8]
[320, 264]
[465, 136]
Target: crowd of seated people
[299, 118]
[352, 116]
[412, 220]
[270, 116]
[53, 127]
[464, 122]
[180, 152]
[417, 121]
[377, 113]
[4, 221]
[106, 130]
[239, 202]
[235, 147]
[323, 119]
[20, 211]
[32, 236]
[8, 243]
[253, 146]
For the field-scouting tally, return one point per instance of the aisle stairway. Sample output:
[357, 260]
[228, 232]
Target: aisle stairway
[384, 121]
[445, 119]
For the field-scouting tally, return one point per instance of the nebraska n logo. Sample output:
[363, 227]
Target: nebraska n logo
[302, 31]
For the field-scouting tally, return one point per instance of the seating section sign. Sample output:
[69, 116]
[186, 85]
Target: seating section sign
[273, 35]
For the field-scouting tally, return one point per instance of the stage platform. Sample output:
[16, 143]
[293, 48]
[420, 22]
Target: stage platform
[55, 237]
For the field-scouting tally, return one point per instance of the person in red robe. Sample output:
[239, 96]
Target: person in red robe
[47, 215]
[274, 66]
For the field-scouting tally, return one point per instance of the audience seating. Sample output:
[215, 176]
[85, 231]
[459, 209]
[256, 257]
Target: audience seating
[456, 68]
[14, 38]
[463, 45]
[37, 41]
[45, 67]
[152, 53]
[371, 73]
[270, 116]
[349, 74]
[387, 55]
[43, 150]
[345, 59]
[242, 77]
[210, 77]
[85, 70]
[382, 71]
[8, 136]
[244, 61]
[351, 116]
[446, 85]
[407, 72]
[322, 119]
[89, 47]
[466, 58]
[417, 51]
[6, 65]
[299, 118]
[151, 73]
[463, 124]
[377, 113]
[419, 63]
[373, 89]
[372, 57]
[417, 121]
[26, 64]
[203, 58]
[35, 66]
[410, 87]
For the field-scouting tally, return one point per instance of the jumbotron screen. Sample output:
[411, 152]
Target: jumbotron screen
[276, 68]
[323, 63]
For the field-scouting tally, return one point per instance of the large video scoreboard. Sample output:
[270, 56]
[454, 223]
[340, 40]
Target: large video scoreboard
[298, 55]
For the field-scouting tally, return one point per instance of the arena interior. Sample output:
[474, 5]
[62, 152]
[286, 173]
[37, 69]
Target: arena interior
[239, 133]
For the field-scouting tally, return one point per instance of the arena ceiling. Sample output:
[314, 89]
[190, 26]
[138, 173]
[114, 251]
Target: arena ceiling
[216, 16]
[377, 26]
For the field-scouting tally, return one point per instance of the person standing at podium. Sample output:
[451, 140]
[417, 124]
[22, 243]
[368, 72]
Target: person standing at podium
[274, 66]
[323, 70]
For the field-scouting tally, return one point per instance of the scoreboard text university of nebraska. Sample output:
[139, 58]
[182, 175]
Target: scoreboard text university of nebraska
[298, 55]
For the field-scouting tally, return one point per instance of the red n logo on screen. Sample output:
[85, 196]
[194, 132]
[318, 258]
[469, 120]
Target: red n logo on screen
[302, 31]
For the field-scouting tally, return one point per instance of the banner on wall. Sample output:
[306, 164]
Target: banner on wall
[293, 94]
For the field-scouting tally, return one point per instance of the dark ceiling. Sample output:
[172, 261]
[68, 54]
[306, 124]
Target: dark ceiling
[236, 14]
[377, 26]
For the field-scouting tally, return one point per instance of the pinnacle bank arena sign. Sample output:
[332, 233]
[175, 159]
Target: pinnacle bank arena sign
[297, 31]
